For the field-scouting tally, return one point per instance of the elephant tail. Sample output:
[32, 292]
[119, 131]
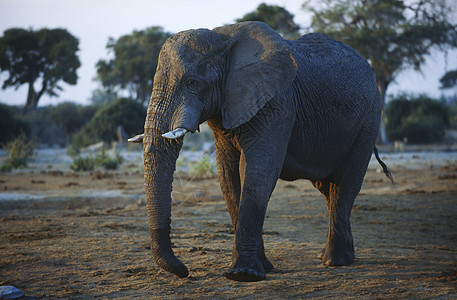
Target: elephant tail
[383, 165]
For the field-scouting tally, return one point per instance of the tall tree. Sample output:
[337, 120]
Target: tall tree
[276, 17]
[46, 56]
[391, 34]
[134, 63]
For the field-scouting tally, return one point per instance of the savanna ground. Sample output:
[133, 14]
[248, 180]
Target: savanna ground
[85, 235]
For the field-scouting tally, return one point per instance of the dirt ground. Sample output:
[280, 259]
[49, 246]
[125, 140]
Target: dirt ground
[85, 235]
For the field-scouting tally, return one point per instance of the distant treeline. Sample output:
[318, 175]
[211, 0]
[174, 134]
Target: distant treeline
[415, 119]
[71, 124]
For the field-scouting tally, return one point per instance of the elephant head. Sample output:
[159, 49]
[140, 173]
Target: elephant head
[228, 73]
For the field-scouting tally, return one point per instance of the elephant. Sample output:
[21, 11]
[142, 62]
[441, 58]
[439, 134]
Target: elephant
[303, 109]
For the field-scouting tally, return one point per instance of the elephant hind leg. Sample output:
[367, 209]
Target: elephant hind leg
[340, 191]
[339, 248]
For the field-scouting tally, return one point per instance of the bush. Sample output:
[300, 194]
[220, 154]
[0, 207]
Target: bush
[82, 163]
[101, 159]
[71, 117]
[44, 131]
[420, 120]
[11, 124]
[204, 167]
[109, 163]
[453, 115]
[196, 141]
[105, 123]
[20, 152]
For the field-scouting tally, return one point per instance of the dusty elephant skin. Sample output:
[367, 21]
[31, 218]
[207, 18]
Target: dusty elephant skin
[305, 109]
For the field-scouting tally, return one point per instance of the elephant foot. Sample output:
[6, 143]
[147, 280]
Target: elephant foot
[320, 254]
[267, 265]
[336, 257]
[248, 269]
[244, 274]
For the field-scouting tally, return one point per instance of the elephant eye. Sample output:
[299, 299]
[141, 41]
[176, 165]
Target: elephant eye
[192, 85]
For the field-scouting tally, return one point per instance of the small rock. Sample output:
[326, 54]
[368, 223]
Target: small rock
[131, 207]
[38, 181]
[10, 292]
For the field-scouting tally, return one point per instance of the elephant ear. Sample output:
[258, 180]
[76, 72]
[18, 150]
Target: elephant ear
[260, 66]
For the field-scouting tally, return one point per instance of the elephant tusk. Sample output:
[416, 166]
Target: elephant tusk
[136, 138]
[179, 132]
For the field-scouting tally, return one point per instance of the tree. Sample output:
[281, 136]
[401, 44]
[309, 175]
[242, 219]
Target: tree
[103, 126]
[134, 63]
[71, 117]
[449, 80]
[47, 56]
[11, 125]
[276, 17]
[419, 119]
[102, 96]
[391, 34]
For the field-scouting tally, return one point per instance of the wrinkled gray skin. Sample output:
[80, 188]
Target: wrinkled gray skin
[308, 108]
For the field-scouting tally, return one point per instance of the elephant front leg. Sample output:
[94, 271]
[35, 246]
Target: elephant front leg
[248, 251]
[228, 166]
[258, 178]
[263, 144]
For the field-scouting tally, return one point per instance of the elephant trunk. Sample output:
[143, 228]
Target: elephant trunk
[159, 157]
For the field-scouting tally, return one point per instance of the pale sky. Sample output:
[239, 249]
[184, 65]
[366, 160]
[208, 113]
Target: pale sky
[94, 21]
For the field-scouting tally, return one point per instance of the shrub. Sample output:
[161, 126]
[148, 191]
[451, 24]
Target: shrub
[11, 124]
[83, 164]
[104, 125]
[20, 152]
[196, 141]
[453, 115]
[71, 117]
[43, 130]
[108, 162]
[420, 119]
[101, 159]
[204, 167]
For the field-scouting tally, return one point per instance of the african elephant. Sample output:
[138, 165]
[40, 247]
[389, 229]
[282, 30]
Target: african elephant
[308, 108]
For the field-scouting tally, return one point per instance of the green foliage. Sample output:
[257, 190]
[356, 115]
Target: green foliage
[419, 119]
[20, 152]
[195, 142]
[276, 17]
[449, 80]
[182, 161]
[82, 163]
[453, 115]
[101, 97]
[108, 162]
[104, 125]
[47, 55]
[134, 62]
[43, 130]
[101, 159]
[11, 124]
[71, 117]
[205, 167]
[51, 125]
[390, 34]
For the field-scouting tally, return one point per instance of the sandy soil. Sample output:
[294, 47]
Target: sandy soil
[85, 235]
